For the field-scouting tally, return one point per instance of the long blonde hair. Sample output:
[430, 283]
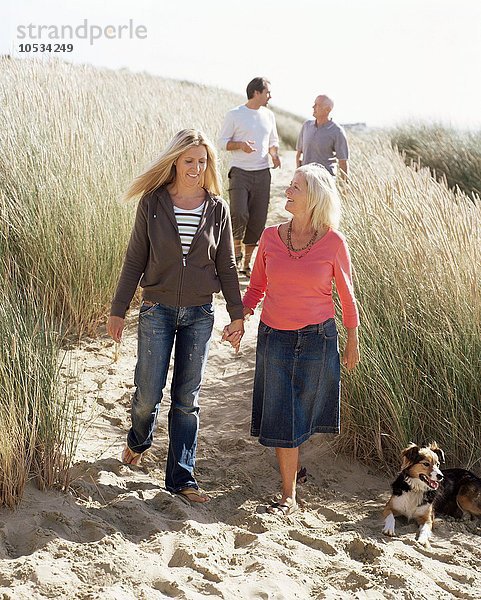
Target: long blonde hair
[162, 171]
[322, 197]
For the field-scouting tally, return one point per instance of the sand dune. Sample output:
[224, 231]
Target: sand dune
[119, 535]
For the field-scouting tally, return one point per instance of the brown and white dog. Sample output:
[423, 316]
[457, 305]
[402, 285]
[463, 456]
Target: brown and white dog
[414, 490]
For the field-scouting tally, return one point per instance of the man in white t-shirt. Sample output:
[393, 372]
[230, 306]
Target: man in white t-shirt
[249, 132]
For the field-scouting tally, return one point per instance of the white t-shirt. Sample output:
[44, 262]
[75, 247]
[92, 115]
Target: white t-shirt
[259, 126]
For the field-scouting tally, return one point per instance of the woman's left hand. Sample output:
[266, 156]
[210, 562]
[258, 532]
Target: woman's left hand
[350, 358]
[233, 333]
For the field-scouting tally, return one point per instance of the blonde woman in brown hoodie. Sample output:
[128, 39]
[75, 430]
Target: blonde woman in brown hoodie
[180, 253]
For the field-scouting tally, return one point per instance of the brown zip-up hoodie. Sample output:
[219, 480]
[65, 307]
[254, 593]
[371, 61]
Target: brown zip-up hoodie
[154, 258]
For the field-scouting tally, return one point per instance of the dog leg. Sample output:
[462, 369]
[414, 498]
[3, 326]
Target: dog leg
[389, 524]
[425, 531]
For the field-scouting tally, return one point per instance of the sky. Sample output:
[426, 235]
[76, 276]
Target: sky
[383, 62]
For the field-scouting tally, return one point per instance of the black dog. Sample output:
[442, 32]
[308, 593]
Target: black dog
[458, 494]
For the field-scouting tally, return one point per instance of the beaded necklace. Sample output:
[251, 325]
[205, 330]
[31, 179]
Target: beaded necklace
[290, 247]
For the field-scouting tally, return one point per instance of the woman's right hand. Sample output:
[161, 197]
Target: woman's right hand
[233, 333]
[115, 327]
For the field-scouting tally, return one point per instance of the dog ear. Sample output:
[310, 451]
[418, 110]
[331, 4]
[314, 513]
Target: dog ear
[435, 448]
[409, 456]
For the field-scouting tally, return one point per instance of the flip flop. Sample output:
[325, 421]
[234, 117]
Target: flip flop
[129, 457]
[301, 476]
[191, 494]
[276, 508]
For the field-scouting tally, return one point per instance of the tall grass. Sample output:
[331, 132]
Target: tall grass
[416, 249]
[73, 139]
[37, 419]
[451, 155]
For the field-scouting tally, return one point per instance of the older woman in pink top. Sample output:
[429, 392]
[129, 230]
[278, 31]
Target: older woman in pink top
[297, 376]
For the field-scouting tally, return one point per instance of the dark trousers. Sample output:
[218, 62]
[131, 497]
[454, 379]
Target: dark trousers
[249, 193]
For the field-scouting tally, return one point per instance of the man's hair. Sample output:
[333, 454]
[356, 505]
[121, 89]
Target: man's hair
[258, 84]
[326, 101]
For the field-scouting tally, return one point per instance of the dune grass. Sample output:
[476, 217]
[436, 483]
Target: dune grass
[73, 137]
[452, 156]
[38, 429]
[416, 250]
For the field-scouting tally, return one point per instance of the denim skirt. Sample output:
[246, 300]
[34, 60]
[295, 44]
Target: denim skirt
[296, 384]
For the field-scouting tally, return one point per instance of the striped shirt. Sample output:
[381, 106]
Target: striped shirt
[188, 223]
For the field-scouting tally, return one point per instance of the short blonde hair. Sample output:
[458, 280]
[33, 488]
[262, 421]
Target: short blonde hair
[162, 171]
[322, 198]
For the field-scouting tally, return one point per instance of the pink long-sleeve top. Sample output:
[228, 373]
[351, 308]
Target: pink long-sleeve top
[298, 292]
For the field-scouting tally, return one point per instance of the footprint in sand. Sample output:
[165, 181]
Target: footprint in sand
[87, 530]
[183, 558]
[446, 558]
[455, 591]
[332, 515]
[115, 421]
[353, 582]
[313, 542]
[244, 538]
[168, 589]
[106, 404]
[251, 522]
[170, 507]
[389, 579]
[93, 531]
[210, 591]
[137, 486]
[461, 577]
[84, 470]
[57, 522]
[365, 552]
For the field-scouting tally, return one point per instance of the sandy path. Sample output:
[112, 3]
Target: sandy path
[121, 535]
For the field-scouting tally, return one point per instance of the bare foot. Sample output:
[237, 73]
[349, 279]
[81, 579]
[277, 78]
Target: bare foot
[129, 457]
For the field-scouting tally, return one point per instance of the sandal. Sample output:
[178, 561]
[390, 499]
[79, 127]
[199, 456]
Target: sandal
[301, 476]
[129, 457]
[238, 259]
[246, 271]
[194, 495]
[276, 508]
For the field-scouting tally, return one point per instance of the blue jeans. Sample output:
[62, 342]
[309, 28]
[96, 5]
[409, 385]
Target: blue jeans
[159, 326]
